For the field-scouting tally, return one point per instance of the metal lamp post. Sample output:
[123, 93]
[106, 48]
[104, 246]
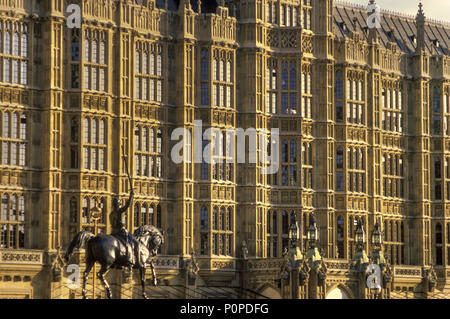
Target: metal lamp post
[361, 258]
[96, 215]
[295, 257]
[317, 267]
[377, 243]
[313, 234]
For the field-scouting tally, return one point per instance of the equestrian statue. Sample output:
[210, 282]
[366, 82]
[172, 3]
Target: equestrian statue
[120, 249]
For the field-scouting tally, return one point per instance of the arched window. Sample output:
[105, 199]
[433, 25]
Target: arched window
[159, 66]
[24, 49]
[86, 50]
[293, 76]
[85, 211]
[437, 167]
[5, 124]
[137, 136]
[394, 231]
[340, 237]
[158, 217]
[338, 85]
[309, 154]
[402, 232]
[102, 132]
[274, 223]
[437, 190]
[158, 141]
[152, 64]
[151, 140]
[204, 65]
[438, 244]
[228, 71]
[15, 71]
[21, 209]
[94, 139]
[7, 43]
[6, 70]
[214, 219]
[15, 44]
[136, 215]
[340, 227]
[391, 232]
[4, 214]
[222, 219]
[437, 100]
[103, 208]
[102, 53]
[350, 227]
[86, 130]
[14, 125]
[94, 52]
[144, 214]
[339, 157]
[360, 159]
[151, 214]
[203, 218]
[438, 233]
[293, 151]
[138, 62]
[284, 151]
[284, 77]
[285, 222]
[229, 218]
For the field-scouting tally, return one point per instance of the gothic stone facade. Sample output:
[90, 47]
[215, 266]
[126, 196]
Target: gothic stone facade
[364, 133]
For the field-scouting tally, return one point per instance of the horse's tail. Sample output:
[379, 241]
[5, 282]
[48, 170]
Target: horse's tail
[79, 241]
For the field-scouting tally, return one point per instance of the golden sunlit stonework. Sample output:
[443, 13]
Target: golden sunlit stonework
[364, 127]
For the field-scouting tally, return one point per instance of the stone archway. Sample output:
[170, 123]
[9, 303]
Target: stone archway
[270, 293]
[338, 293]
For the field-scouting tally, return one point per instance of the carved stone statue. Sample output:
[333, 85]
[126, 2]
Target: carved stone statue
[192, 268]
[303, 274]
[244, 250]
[387, 275]
[285, 268]
[57, 265]
[430, 278]
[322, 274]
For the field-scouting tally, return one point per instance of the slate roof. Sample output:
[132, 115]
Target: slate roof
[208, 6]
[395, 27]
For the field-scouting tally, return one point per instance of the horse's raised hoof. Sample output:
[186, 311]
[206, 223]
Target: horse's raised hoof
[155, 282]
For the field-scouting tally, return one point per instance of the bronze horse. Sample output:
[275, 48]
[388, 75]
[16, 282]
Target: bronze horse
[110, 252]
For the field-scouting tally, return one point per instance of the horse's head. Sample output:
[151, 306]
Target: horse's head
[156, 240]
[151, 236]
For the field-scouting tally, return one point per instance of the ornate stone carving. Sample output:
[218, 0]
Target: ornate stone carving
[21, 257]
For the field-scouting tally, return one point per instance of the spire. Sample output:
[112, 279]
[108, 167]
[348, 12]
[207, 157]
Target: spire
[420, 26]
[199, 6]
[420, 13]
